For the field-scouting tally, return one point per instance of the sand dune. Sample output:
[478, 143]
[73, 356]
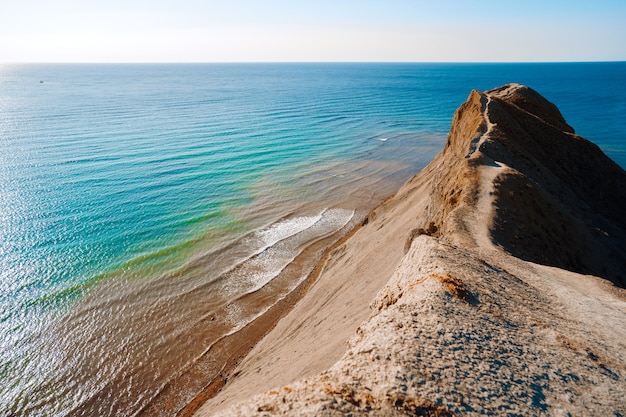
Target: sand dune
[465, 293]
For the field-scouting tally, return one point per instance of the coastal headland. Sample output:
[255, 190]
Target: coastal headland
[491, 283]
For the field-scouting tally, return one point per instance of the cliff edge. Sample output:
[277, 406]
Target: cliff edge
[482, 287]
[558, 200]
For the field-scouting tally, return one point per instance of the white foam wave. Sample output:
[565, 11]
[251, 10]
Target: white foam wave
[269, 267]
[286, 228]
[282, 243]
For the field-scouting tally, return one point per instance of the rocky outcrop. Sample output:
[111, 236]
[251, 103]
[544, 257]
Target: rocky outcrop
[563, 201]
[482, 305]
[559, 200]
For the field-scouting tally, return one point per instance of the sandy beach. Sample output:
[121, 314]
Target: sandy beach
[490, 283]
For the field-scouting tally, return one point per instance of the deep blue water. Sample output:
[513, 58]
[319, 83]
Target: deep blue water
[112, 172]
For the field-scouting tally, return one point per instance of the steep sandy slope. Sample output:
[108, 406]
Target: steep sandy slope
[456, 333]
[441, 317]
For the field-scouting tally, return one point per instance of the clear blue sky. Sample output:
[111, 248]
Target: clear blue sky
[320, 30]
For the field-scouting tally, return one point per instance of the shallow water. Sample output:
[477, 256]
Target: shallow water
[149, 210]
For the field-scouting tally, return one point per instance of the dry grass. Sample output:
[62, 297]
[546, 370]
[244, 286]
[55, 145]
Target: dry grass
[417, 406]
[405, 405]
[359, 399]
[453, 285]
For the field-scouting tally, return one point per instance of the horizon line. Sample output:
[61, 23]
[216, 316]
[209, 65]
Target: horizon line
[299, 62]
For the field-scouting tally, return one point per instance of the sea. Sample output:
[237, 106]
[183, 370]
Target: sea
[150, 212]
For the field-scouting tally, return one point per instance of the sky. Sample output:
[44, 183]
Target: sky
[312, 31]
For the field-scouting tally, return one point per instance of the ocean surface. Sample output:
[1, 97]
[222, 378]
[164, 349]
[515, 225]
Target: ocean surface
[150, 212]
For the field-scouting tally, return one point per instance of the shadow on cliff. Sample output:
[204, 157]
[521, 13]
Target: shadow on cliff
[563, 203]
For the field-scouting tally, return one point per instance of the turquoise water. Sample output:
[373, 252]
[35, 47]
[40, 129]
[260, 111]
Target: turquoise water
[135, 185]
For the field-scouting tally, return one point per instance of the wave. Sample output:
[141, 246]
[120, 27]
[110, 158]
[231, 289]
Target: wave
[242, 312]
[275, 246]
[104, 344]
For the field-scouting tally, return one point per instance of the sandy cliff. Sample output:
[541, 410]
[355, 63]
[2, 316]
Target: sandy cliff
[465, 293]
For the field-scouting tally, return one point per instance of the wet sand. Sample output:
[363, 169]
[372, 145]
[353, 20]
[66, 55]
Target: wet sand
[160, 345]
[211, 371]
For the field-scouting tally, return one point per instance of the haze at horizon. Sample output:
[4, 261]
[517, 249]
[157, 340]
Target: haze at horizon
[282, 31]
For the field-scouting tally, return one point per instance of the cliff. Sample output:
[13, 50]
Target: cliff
[465, 293]
[558, 199]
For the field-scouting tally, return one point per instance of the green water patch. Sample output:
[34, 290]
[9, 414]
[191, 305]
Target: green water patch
[167, 255]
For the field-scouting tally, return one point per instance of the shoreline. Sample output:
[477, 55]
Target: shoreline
[243, 341]
[253, 332]
[157, 346]
[363, 195]
[335, 256]
[175, 318]
[207, 373]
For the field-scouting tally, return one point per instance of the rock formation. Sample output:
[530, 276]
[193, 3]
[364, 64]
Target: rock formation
[559, 200]
[481, 304]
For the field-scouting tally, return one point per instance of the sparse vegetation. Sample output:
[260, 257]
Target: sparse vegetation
[418, 406]
[410, 406]
[454, 285]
